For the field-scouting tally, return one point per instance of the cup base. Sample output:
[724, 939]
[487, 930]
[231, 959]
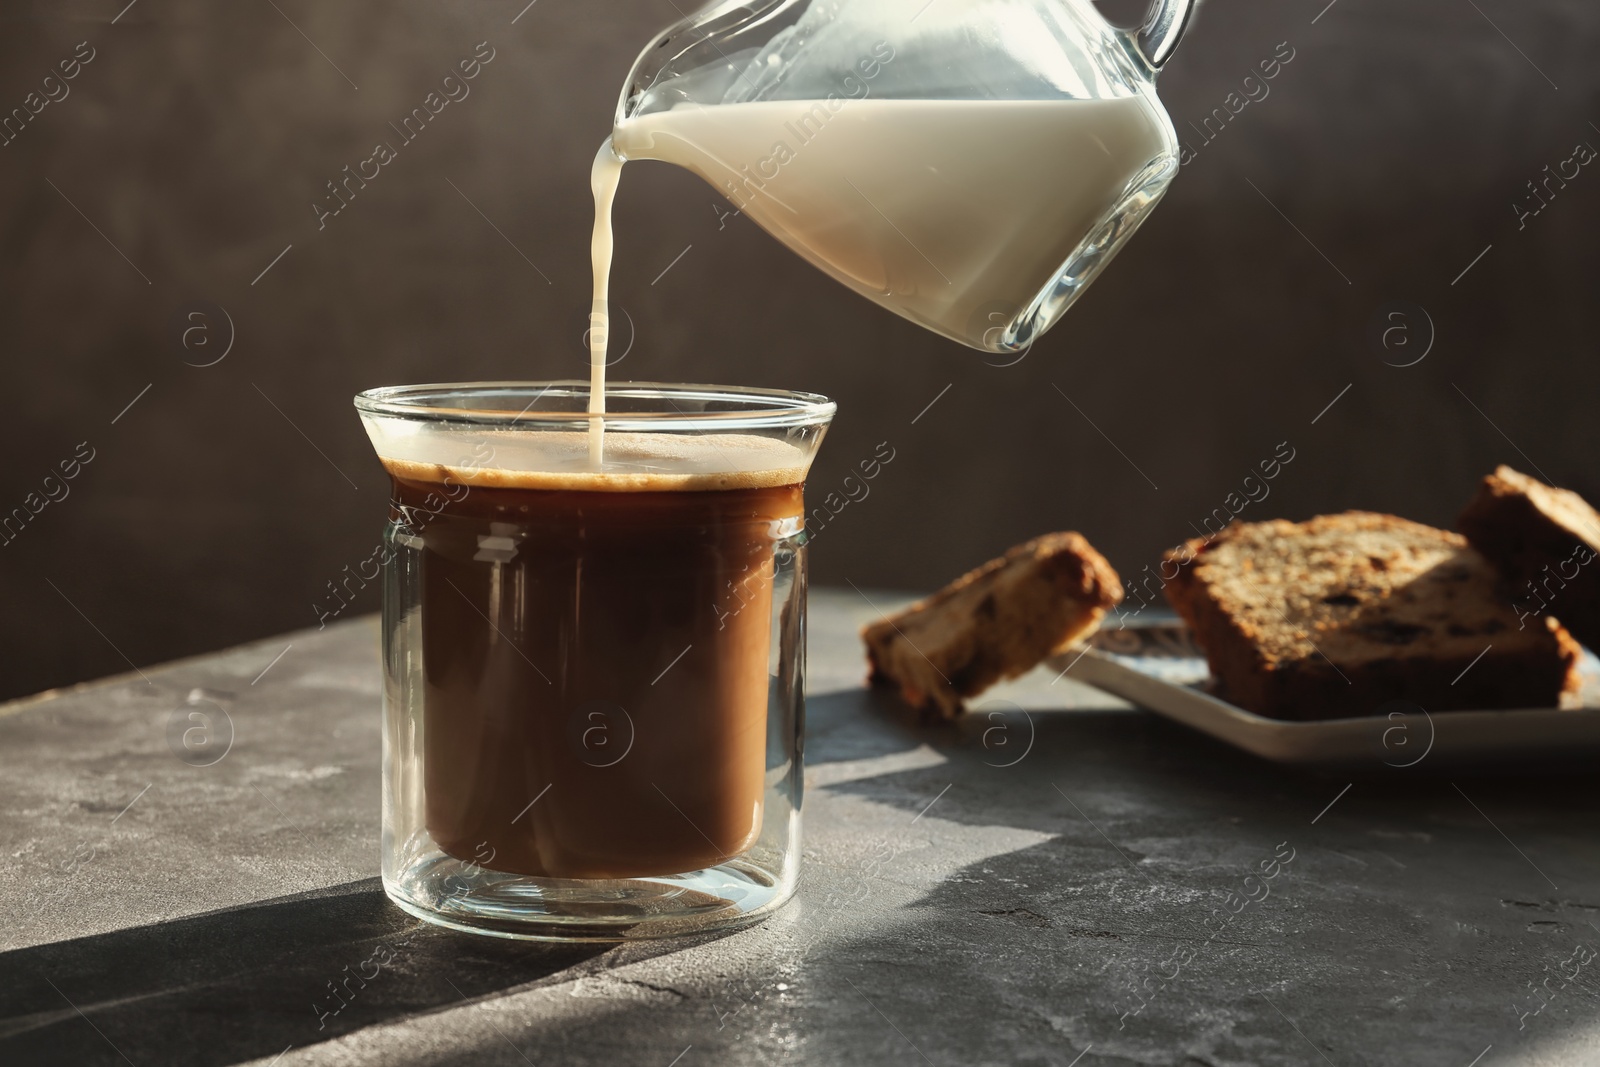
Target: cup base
[447, 892]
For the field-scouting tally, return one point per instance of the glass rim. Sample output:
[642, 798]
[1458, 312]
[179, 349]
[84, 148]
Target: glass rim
[769, 407]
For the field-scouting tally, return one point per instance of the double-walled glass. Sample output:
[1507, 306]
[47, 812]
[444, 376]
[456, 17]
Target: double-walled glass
[594, 654]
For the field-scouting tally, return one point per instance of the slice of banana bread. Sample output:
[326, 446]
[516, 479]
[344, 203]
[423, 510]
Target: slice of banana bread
[1543, 540]
[1337, 616]
[993, 623]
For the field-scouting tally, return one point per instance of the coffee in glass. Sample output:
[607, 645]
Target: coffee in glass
[594, 675]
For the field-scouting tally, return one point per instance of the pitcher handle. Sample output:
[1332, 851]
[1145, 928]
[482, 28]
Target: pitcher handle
[1163, 28]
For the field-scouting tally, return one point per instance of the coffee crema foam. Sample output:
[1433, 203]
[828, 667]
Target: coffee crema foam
[634, 462]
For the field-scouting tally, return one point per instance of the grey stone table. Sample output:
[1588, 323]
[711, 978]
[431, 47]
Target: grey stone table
[1005, 891]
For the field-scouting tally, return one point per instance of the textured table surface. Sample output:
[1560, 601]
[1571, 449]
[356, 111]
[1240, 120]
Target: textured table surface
[1046, 883]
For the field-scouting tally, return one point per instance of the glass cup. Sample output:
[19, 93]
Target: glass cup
[594, 672]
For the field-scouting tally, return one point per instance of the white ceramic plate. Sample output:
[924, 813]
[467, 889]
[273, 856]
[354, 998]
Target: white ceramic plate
[1156, 665]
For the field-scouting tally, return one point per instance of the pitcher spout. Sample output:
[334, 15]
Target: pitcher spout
[699, 58]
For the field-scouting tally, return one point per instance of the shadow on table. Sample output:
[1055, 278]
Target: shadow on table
[251, 981]
[1045, 768]
[1401, 932]
[1024, 955]
[1406, 905]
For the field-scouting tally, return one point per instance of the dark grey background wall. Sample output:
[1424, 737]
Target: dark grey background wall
[1387, 157]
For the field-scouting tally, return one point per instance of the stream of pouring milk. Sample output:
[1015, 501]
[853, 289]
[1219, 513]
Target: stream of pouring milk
[603, 178]
[953, 213]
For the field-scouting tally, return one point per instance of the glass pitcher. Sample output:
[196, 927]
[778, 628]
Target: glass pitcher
[971, 165]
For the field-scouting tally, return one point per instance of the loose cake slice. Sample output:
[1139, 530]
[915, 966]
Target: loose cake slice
[1337, 616]
[1544, 541]
[994, 623]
